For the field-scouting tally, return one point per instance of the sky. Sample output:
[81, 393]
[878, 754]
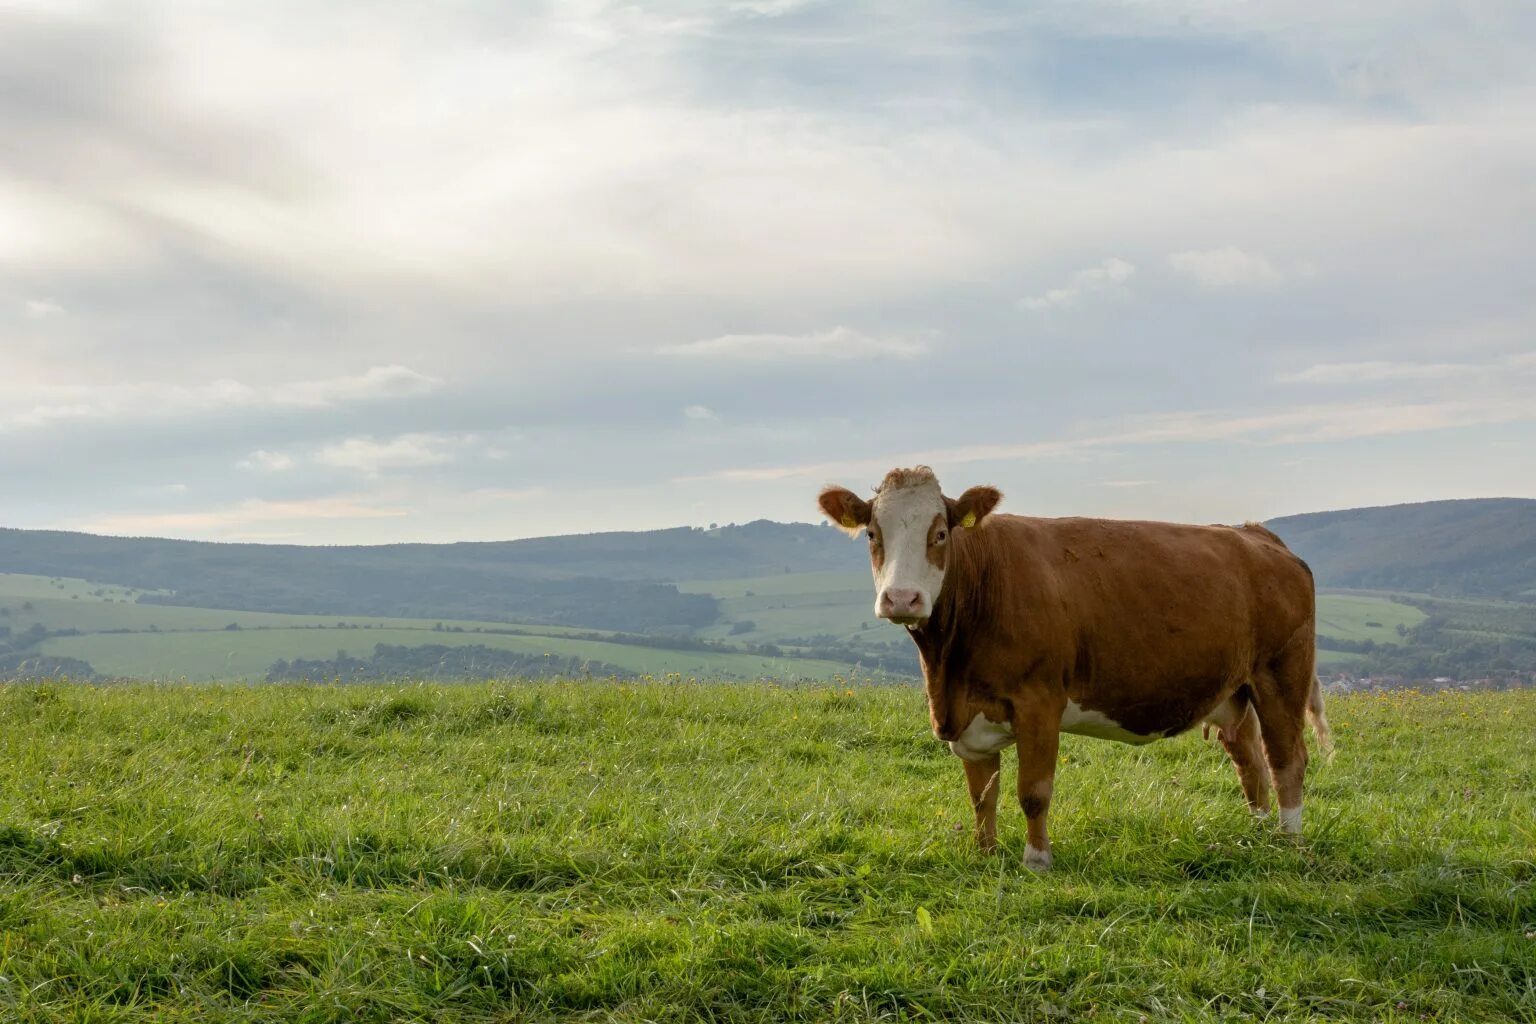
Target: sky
[388, 271]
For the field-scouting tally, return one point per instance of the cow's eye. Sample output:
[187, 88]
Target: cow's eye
[940, 537]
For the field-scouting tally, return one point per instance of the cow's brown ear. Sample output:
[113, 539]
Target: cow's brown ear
[972, 507]
[844, 508]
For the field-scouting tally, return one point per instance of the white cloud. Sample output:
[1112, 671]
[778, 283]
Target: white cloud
[40, 405]
[235, 518]
[1500, 371]
[1302, 425]
[836, 343]
[41, 309]
[699, 412]
[1227, 267]
[505, 205]
[376, 382]
[1108, 277]
[372, 457]
[1367, 372]
[272, 462]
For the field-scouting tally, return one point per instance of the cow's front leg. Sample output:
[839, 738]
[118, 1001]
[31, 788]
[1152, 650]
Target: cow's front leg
[982, 778]
[1039, 735]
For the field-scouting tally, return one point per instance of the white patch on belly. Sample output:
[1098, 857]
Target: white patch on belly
[1082, 722]
[982, 738]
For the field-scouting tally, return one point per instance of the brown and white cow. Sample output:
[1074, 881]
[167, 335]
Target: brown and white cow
[1130, 631]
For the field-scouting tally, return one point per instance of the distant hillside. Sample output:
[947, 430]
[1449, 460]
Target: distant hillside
[1483, 547]
[625, 581]
[617, 581]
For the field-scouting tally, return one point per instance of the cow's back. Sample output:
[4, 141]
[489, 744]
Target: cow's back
[1152, 620]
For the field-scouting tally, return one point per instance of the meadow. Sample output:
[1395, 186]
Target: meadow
[686, 852]
[124, 639]
[121, 638]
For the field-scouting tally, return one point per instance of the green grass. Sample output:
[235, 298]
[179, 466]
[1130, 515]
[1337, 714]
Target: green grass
[734, 853]
[1364, 617]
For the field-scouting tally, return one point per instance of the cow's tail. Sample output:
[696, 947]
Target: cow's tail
[1318, 719]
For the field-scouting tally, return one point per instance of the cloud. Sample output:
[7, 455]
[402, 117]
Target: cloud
[1305, 425]
[372, 457]
[1227, 267]
[235, 518]
[699, 412]
[839, 343]
[1108, 277]
[1369, 372]
[538, 224]
[271, 462]
[41, 309]
[41, 405]
[1500, 370]
[375, 383]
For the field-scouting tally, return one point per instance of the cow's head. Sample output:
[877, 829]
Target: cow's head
[909, 522]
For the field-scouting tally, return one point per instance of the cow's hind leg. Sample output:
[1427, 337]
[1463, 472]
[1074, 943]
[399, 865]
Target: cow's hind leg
[1237, 725]
[983, 778]
[1281, 690]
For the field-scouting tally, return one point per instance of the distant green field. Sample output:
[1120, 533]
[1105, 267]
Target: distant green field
[162, 641]
[1337, 661]
[21, 587]
[1364, 617]
[793, 605]
[78, 606]
[808, 604]
[151, 641]
[738, 854]
[787, 584]
[247, 654]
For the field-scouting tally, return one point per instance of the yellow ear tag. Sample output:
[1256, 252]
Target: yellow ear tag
[850, 523]
[969, 520]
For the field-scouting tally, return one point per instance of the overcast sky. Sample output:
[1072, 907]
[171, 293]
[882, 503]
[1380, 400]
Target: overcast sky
[362, 272]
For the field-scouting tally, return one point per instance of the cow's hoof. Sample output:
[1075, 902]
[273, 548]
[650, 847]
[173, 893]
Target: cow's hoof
[1037, 860]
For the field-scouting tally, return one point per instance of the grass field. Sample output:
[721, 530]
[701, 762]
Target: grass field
[734, 853]
[1364, 617]
[93, 608]
[247, 654]
[794, 605]
[154, 641]
[168, 642]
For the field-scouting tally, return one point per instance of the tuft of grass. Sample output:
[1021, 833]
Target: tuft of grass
[677, 852]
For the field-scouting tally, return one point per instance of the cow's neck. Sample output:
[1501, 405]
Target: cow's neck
[961, 608]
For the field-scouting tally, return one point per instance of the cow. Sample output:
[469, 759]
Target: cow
[1123, 630]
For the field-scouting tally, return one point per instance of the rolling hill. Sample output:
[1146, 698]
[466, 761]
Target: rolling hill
[1413, 591]
[1474, 548]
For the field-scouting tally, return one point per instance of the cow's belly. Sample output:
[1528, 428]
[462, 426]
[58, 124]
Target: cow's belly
[983, 737]
[1081, 721]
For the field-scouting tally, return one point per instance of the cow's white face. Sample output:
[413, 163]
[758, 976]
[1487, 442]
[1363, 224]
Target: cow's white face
[909, 524]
